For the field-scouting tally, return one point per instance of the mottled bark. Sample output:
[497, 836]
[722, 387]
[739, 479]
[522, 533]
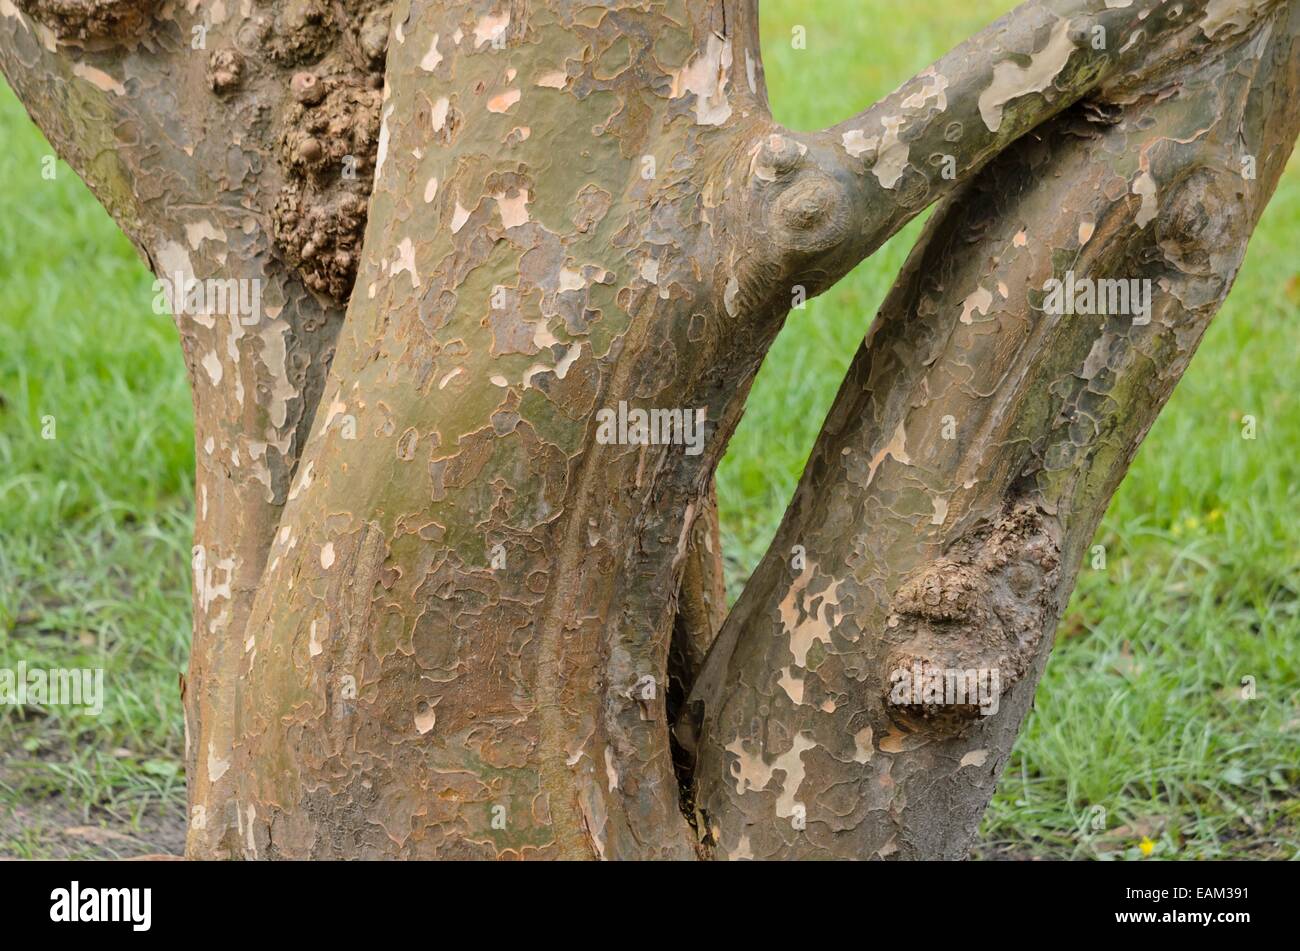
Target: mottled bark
[444, 615]
[968, 458]
[180, 118]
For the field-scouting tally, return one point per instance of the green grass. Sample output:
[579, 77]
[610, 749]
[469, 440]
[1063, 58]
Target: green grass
[94, 522]
[1139, 728]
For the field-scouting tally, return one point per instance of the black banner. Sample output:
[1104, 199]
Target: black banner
[914, 902]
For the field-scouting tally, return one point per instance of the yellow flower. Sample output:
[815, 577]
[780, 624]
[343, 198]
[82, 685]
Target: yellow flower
[1147, 846]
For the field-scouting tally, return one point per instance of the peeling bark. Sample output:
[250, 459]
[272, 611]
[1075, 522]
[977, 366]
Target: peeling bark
[180, 145]
[959, 550]
[445, 605]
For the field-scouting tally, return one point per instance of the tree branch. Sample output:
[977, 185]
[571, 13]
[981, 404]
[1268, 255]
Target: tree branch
[968, 458]
[818, 203]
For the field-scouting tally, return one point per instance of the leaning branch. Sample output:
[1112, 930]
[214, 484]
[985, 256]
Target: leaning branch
[817, 204]
[967, 460]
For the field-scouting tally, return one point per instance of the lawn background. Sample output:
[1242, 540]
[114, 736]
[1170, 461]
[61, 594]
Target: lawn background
[1140, 742]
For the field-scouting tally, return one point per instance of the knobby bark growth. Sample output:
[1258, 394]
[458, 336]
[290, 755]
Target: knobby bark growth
[438, 610]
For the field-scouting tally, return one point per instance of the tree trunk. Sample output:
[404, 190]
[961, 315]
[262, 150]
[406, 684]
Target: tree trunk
[447, 603]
